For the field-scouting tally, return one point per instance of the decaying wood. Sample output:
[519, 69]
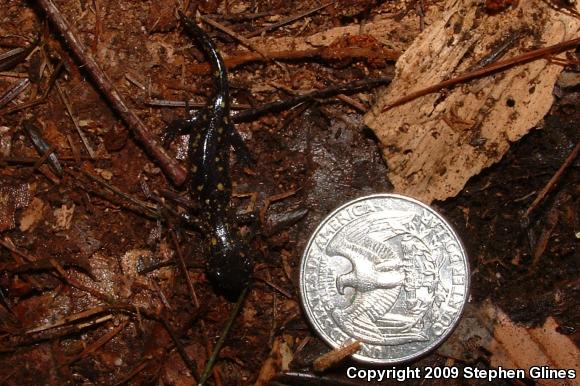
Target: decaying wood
[435, 143]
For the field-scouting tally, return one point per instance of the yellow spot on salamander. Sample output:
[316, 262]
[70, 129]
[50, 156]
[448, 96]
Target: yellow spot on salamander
[199, 188]
[221, 168]
[217, 159]
[207, 201]
[220, 130]
[220, 186]
[194, 168]
[213, 241]
[223, 104]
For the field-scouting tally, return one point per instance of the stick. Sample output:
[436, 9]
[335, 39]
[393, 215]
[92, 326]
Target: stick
[554, 180]
[218, 346]
[488, 70]
[235, 35]
[289, 20]
[350, 87]
[104, 84]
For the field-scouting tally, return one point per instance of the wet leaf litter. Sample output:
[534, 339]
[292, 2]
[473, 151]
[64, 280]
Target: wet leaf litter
[315, 155]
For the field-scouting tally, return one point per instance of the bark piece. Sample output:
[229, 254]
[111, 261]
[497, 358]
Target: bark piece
[435, 143]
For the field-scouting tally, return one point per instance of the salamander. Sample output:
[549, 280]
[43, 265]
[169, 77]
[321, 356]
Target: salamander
[229, 265]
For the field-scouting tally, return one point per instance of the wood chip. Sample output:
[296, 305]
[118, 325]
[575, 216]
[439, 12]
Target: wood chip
[334, 357]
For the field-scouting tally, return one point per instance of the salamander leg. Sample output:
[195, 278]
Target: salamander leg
[240, 147]
[183, 126]
[193, 221]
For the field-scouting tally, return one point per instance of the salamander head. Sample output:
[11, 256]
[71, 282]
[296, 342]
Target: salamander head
[229, 270]
[229, 265]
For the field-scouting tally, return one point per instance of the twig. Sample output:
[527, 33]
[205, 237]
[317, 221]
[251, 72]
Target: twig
[335, 356]
[41, 146]
[76, 284]
[183, 268]
[75, 151]
[218, 346]
[82, 135]
[276, 287]
[277, 197]
[98, 25]
[325, 53]
[97, 344]
[39, 100]
[186, 359]
[352, 87]
[12, 74]
[353, 103]
[146, 206]
[12, 58]
[242, 16]
[134, 372]
[10, 246]
[192, 104]
[488, 70]
[499, 51]
[13, 91]
[44, 157]
[235, 35]
[289, 20]
[70, 319]
[554, 180]
[169, 165]
[32, 160]
[133, 80]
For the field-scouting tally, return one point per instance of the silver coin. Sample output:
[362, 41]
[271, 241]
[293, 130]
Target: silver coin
[388, 271]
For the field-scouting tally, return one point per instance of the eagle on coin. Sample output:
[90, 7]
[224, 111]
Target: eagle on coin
[379, 272]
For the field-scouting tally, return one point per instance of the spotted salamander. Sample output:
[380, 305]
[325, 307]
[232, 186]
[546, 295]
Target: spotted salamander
[229, 265]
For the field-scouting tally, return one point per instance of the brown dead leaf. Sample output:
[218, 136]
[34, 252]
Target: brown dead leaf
[32, 214]
[435, 143]
[278, 360]
[64, 216]
[487, 329]
[12, 197]
[5, 141]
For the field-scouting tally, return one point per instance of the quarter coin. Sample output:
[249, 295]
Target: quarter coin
[388, 271]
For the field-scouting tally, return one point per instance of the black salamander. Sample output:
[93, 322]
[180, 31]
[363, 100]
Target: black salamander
[212, 133]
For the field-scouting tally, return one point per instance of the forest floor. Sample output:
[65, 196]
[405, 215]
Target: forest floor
[92, 283]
